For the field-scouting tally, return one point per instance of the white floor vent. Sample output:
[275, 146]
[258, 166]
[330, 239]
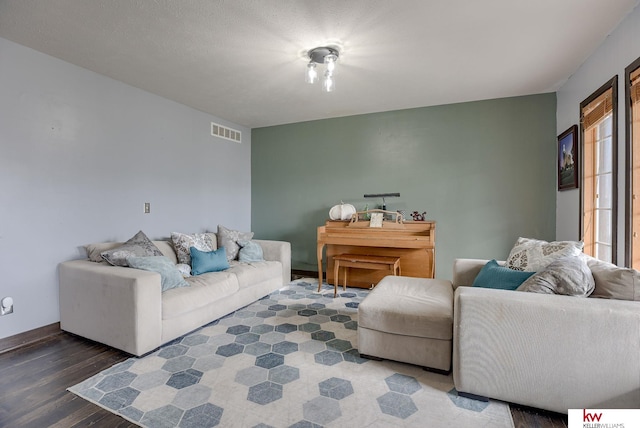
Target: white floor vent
[226, 133]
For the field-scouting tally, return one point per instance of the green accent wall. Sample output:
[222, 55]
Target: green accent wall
[485, 171]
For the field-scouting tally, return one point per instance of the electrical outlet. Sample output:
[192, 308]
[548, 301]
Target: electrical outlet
[147, 207]
[6, 306]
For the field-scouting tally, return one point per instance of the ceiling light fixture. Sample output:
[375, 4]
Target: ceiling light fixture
[322, 55]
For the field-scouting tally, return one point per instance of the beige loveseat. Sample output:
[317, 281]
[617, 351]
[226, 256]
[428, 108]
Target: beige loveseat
[547, 351]
[125, 308]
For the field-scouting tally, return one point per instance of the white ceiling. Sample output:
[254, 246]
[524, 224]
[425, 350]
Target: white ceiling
[244, 60]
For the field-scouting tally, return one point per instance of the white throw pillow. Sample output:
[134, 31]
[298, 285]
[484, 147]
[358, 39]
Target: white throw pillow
[532, 255]
[184, 269]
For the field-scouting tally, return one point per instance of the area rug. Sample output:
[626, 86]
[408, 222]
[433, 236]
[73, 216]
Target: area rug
[287, 360]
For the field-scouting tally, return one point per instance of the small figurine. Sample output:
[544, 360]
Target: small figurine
[417, 216]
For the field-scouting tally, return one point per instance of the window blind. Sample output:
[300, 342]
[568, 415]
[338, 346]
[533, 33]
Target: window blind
[597, 109]
[598, 194]
[634, 181]
[635, 86]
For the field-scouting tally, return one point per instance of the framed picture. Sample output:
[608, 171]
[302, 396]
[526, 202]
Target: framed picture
[568, 159]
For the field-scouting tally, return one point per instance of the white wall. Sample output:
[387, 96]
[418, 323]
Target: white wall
[80, 154]
[620, 49]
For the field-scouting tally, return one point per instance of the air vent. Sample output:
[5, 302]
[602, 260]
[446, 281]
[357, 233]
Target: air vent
[226, 133]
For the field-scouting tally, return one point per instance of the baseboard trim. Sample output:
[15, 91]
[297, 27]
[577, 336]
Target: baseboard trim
[304, 273]
[28, 337]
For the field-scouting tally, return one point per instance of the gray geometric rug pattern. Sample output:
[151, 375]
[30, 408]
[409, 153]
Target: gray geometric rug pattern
[288, 360]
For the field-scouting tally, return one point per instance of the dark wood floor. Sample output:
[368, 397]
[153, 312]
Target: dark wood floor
[526, 417]
[34, 379]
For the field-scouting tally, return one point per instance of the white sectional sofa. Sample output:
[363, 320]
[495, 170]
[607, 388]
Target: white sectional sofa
[125, 307]
[548, 351]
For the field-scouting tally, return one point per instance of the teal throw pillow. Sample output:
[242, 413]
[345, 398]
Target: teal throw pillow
[492, 275]
[169, 273]
[208, 261]
[250, 252]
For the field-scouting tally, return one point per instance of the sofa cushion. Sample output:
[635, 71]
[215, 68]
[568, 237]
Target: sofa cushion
[409, 306]
[250, 251]
[492, 275]
[532, 255]
[569, 276]
[170, 276]
[614, 282]
[203, 290]
[138, 246]
[252, 273]
[228, 239]
[166, 248]
[208, 261]
[182, 242]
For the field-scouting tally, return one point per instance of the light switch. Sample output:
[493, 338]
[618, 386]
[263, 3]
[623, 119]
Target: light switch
[147, 207]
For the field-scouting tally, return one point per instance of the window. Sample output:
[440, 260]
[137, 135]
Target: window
[632, 103]
[598, 189]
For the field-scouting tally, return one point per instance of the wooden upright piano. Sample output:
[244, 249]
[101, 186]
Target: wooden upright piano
[413, 242]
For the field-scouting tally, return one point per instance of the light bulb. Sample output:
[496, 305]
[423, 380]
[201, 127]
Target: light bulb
[329, 83]
[311, 75]
[331, 62]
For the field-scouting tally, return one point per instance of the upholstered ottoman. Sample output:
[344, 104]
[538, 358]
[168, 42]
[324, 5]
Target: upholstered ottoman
[409, 320]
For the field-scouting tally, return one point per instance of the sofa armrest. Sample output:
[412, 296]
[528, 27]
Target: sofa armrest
[279, 251]
[117, 306]
[547, 351]
[466, 270]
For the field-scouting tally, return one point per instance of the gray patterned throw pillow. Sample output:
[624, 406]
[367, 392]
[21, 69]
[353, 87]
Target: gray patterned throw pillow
[228, 239]
[532, 255]
[182, 243]
[569, 276]
[138, 246]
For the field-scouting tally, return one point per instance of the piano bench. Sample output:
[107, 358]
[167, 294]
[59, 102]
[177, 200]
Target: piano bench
[362, 261]
[409, 320]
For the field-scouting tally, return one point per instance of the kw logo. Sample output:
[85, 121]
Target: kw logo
[590, 417]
